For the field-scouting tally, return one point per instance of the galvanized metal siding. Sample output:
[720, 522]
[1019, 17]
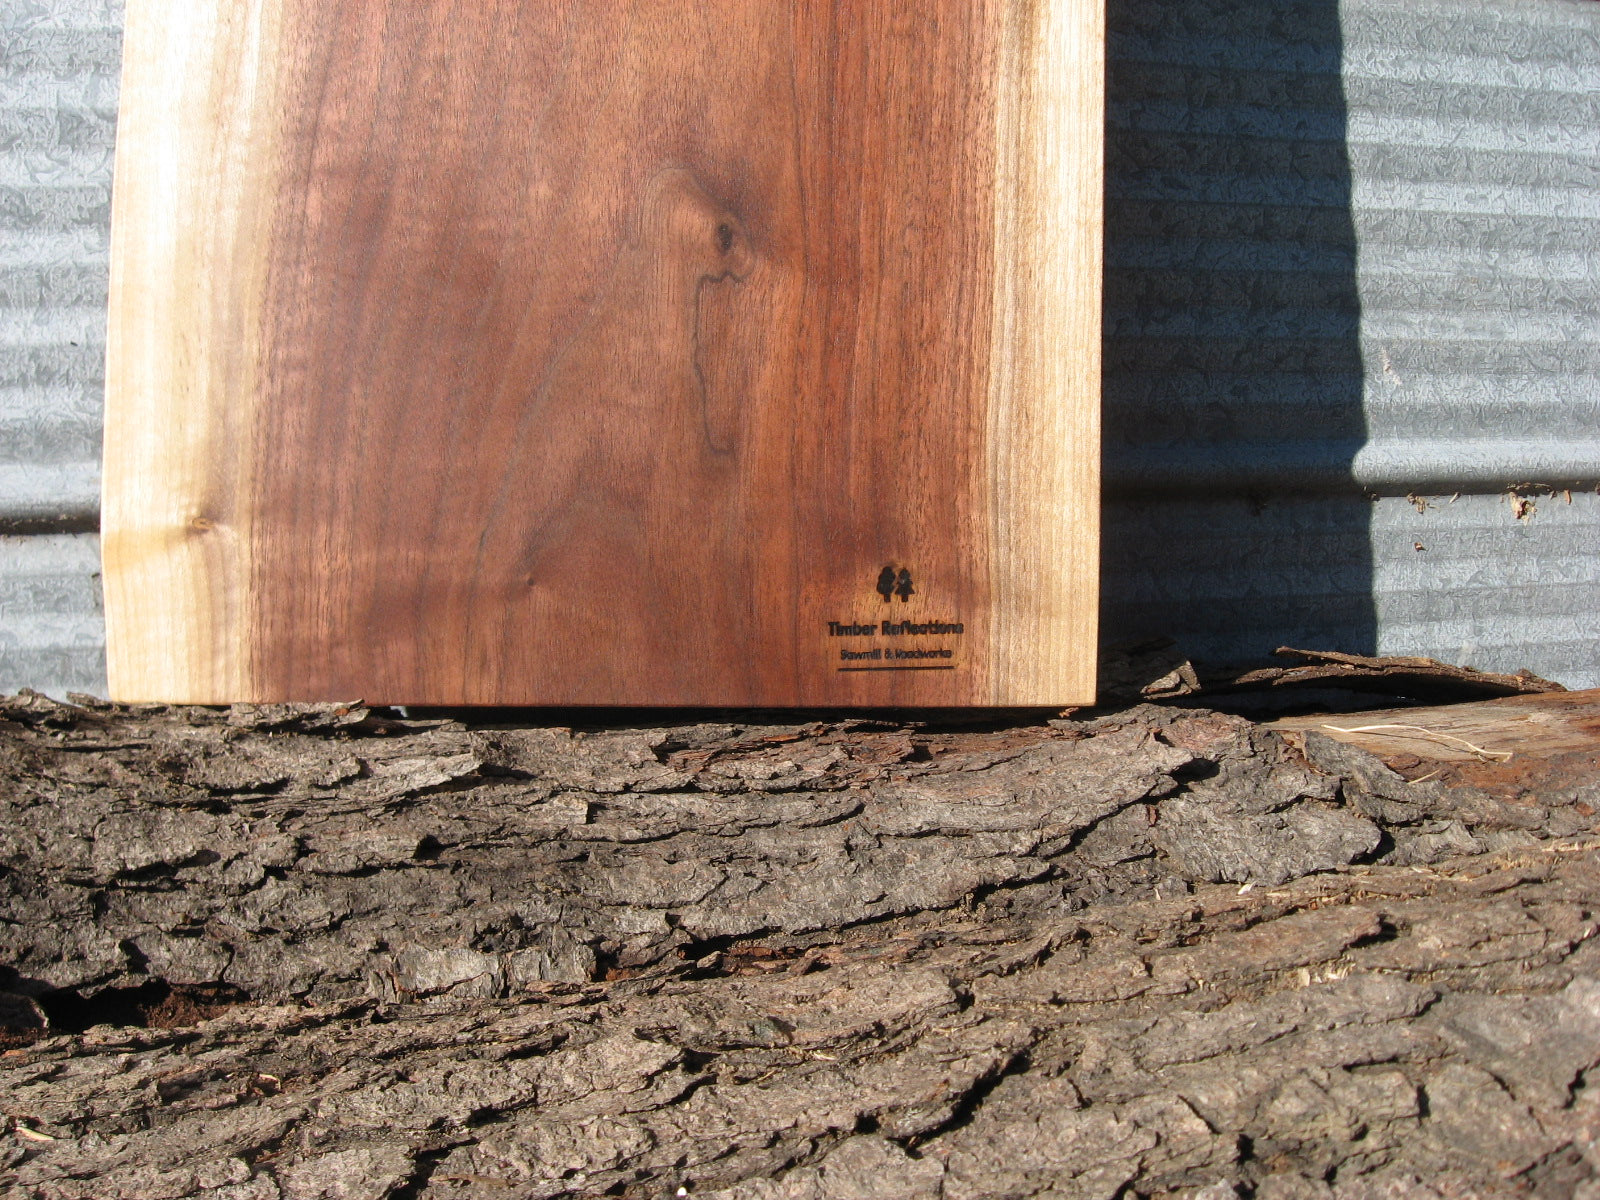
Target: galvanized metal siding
[1354, 253]
[1470, 582]
[58, 101]
[52, 636]
[1474, 134]
[1353, 250]
[59, 61]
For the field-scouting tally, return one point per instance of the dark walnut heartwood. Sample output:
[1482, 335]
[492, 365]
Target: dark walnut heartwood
[667, 352]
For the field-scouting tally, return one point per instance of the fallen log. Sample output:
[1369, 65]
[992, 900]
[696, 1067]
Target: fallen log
[317, 951]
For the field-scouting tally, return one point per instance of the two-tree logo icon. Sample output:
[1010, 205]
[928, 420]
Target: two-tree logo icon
[892, 583]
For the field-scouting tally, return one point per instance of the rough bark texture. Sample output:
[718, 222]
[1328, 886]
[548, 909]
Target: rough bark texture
[1420, 678]
[1157, 952]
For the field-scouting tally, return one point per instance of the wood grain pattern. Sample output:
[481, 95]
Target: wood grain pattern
[611, 353]
[191, 214]
[1044, 492]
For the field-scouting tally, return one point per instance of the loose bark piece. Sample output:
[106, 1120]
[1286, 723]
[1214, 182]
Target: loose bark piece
[1421, 678]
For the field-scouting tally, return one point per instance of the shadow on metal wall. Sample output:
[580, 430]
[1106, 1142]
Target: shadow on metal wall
[1233, 373]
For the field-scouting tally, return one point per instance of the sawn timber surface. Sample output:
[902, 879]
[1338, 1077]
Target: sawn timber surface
[605, 353]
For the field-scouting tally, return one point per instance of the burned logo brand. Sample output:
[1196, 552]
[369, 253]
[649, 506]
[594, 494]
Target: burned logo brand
[892, 583]
[896, 581]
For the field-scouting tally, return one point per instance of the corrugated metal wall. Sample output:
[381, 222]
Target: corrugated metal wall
[1353, 253]
[58, 103]
[1474, 135]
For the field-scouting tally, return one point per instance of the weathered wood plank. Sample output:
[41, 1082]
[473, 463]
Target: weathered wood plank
[606, 353]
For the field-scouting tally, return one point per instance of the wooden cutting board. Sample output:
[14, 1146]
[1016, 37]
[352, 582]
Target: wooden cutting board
[693, 352]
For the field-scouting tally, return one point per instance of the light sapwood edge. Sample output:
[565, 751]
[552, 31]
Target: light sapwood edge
[1044, 400]
[196, 155]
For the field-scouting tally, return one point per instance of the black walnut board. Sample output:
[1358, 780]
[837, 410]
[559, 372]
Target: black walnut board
[695, 352]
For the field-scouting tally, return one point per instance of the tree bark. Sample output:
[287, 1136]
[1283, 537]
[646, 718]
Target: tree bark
[303, 952]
